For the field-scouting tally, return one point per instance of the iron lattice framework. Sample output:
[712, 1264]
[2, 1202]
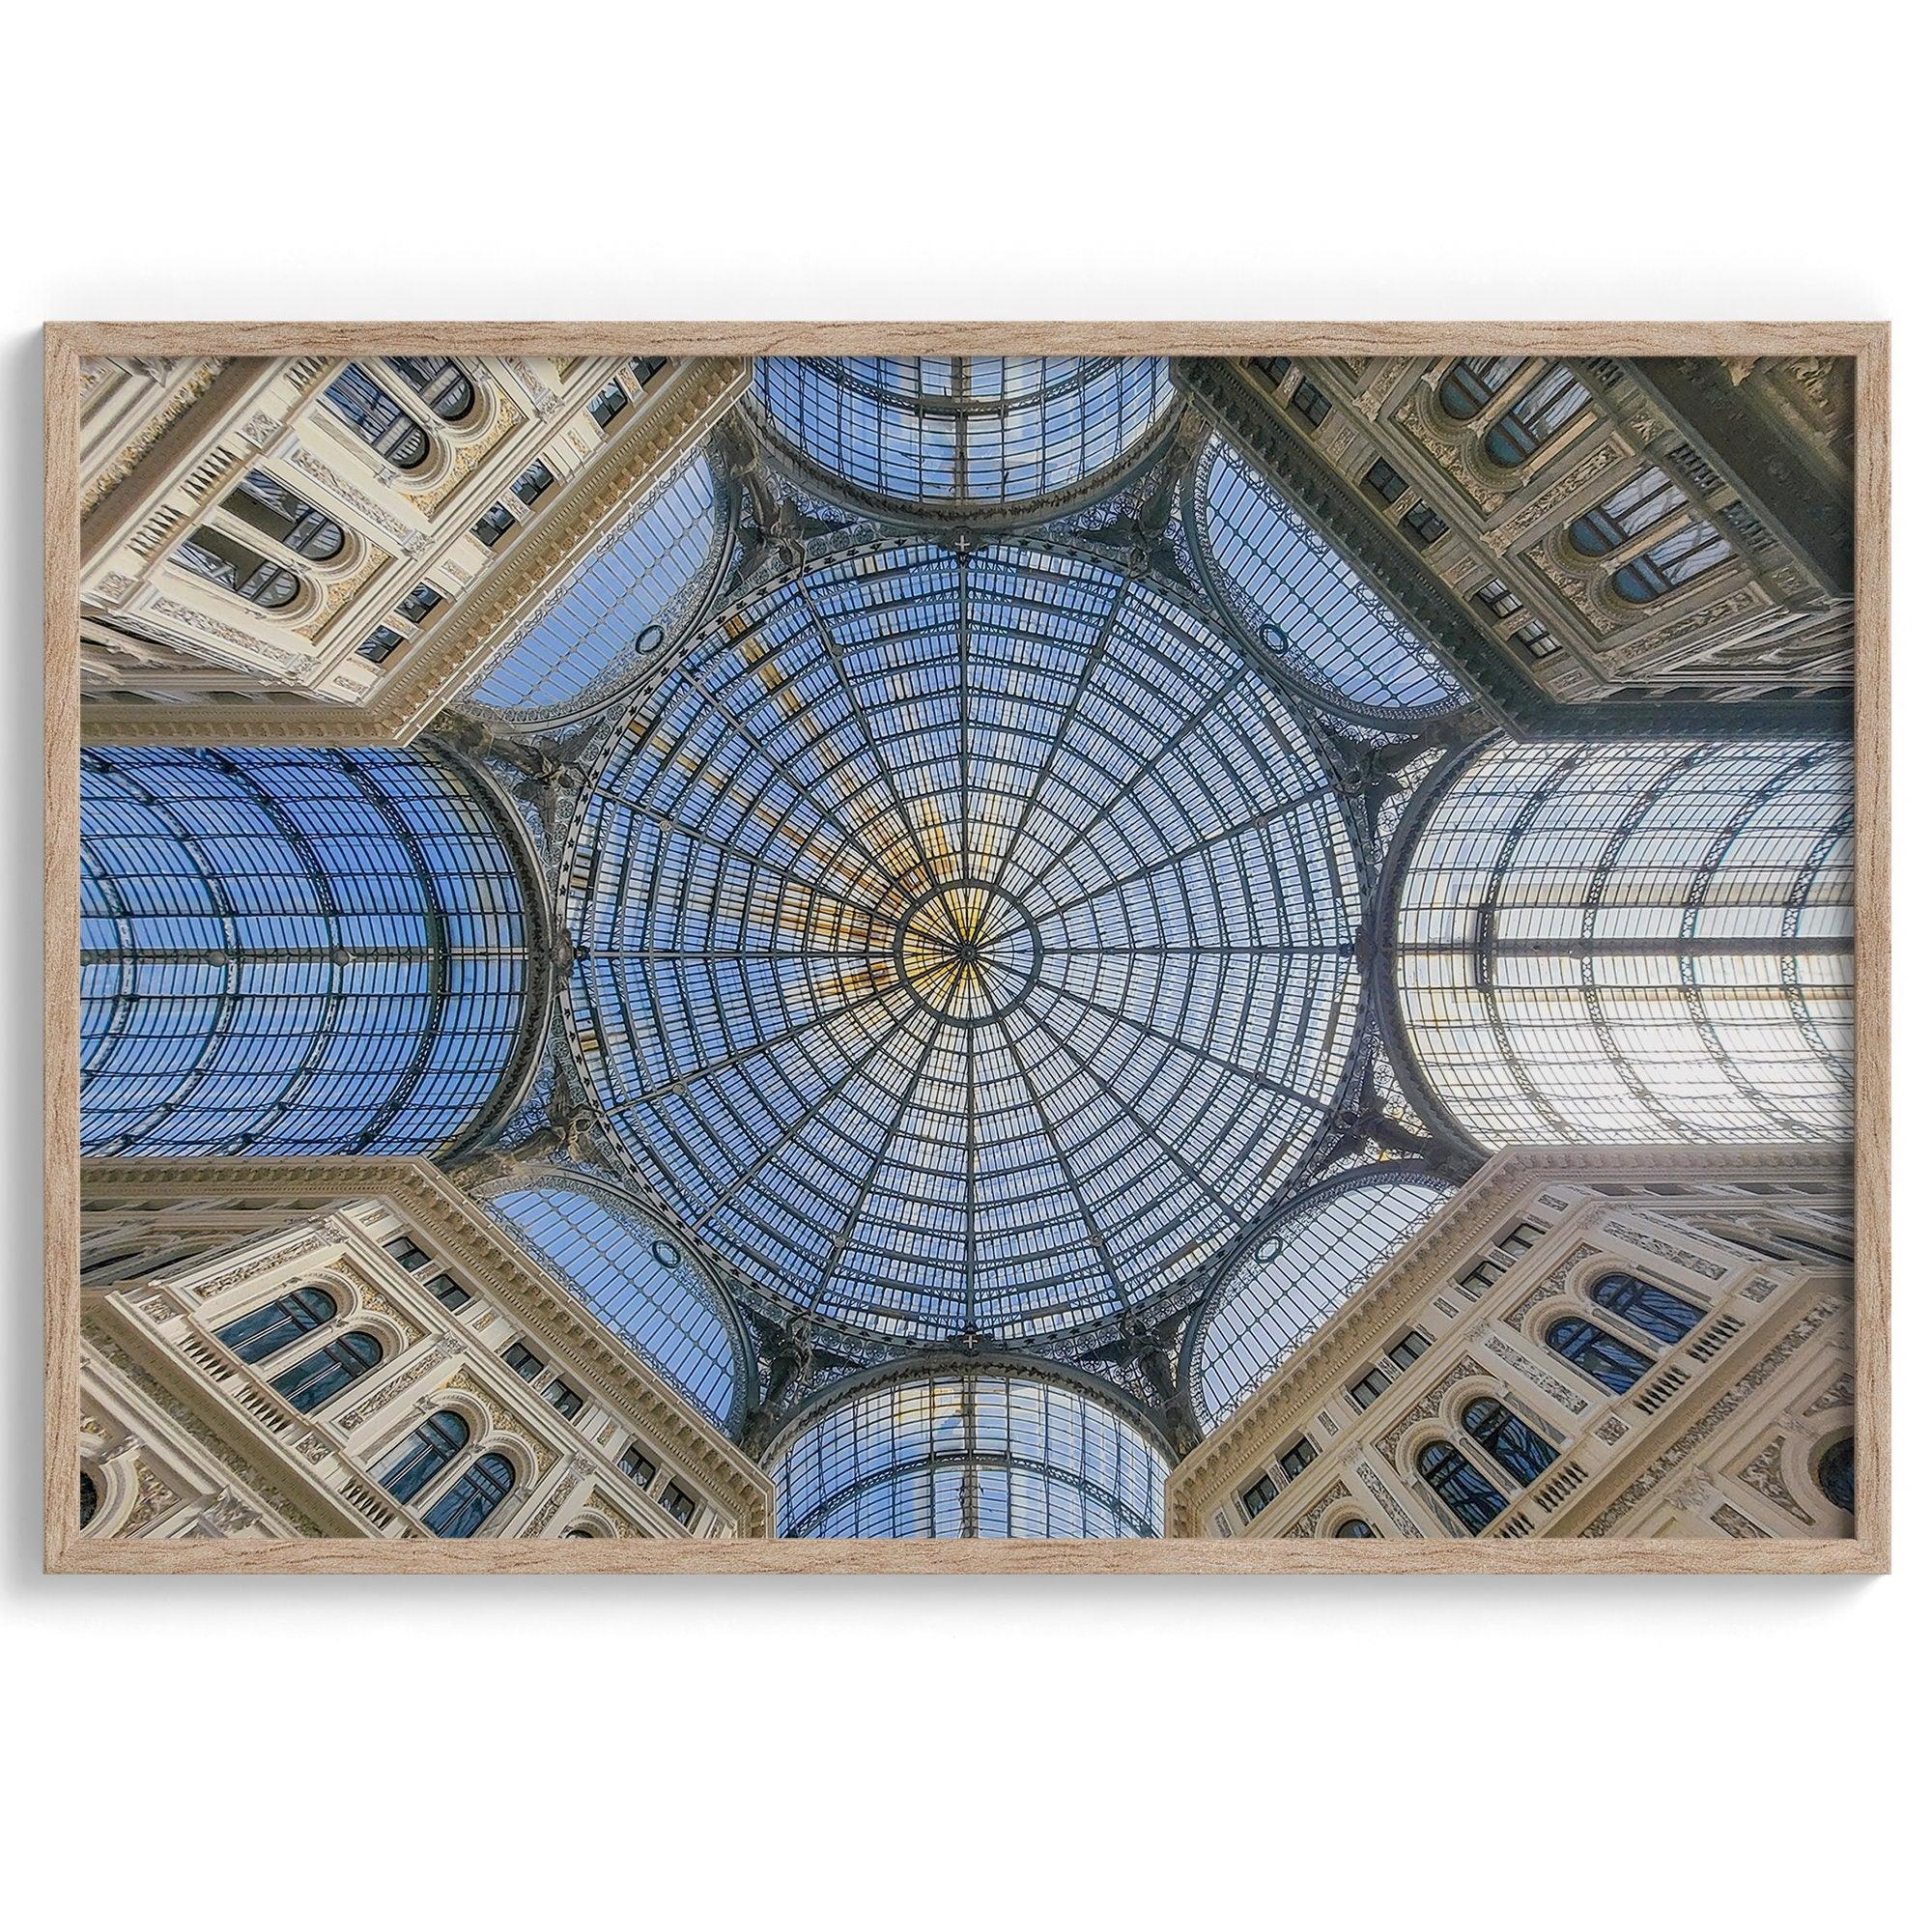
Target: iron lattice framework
[1631, 943]
[295, 951]
[964, 940]
[1284, 1283]
[972, 1452]
[965, 436]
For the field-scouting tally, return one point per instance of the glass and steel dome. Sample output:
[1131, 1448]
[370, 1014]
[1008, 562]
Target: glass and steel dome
[963, 432]
[964, 940]
[640, 587]
[639, 1281]
[979, 1454]
[294, 951]
[1638, 941]
[1295, 1275]
[1286, 587]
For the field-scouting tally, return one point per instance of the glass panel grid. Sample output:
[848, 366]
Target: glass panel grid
[291, 950]
[1636, 943]
[1300, 599]
[982, 1455]
[638, 588]
[640, 1284]
[1294, 1277]
[965, 942]
[1007, 430]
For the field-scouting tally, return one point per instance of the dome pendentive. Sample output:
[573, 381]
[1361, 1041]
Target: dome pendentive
[964, 940]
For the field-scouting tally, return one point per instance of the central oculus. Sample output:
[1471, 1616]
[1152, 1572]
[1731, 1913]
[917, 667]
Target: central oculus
[962, 939]
[968, 952]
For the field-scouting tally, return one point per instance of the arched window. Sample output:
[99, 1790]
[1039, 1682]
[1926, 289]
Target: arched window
[263, 1331]
[318, 1377]
[1471, 1499]
[1645, 1305]
[1509, 1439]
[438, 381]
[224, 560]
[1689, 548]
[1473, 382]
[1615, 1364]
[1835, 1476]
[90, 1500]
[377, 418]
[470, 1501]
[1353, 1527]
[1535, 416]
[263, 504]
[425, 1454]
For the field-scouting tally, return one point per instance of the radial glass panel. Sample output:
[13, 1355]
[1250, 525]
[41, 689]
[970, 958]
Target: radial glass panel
[1294, 1277]
[640, 1283]
[954, 430]
[638, 588]
[1622, 943]
[1296, 596]
[990, 1455]
[291, 951]
[964, 941]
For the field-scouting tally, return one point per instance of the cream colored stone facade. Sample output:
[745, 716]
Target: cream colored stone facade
[168, 653]
[1721, 1437]
[180, 1438]
[1768, 621]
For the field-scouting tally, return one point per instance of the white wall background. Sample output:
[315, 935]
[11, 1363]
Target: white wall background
[1605, 1753]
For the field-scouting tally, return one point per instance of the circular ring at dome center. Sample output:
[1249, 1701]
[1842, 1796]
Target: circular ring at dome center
[967, 951]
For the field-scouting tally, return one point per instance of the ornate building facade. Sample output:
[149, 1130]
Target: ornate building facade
[955, 946]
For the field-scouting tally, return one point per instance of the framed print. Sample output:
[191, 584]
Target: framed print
[1209, 947]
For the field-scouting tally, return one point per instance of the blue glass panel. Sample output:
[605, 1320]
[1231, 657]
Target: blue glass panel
[291, 950]
[988, 1455]
[642, 1285]
[971, 429]
[1291, 590]
[640, 584]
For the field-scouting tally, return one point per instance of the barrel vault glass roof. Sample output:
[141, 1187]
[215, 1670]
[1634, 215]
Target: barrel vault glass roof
[964, 940]
[945, 431]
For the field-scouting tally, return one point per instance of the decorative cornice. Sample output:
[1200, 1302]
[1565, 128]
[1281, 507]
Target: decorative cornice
[1419, 1268]
[684, 409]
[463, 1229]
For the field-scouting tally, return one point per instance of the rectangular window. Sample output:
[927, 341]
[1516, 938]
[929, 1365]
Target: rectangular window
[1424, 526]
[1497, 598]
[564, 1399]
[1365, 1390]
[609, 404]
[1521, 1238]
[451, 1294]
[406, 1251]
[525, 1364]
[1310, 402]
[1534, 640]
[639, 1466]
[679, 1503]
[493, 525]
[1385, 480]
[644, 367]
[532, 483]
[1411, 1346]
[1272, 369]
[420, 603]
[1296, 1457]
[382, 640]
[1258, 1496]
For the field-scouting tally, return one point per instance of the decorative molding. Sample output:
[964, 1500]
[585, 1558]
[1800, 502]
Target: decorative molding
[1663, 1251]
[1765, 1473]
[1550, 1286]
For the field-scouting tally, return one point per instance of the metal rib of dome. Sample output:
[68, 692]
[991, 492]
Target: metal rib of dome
[964, 940]
[963, 434]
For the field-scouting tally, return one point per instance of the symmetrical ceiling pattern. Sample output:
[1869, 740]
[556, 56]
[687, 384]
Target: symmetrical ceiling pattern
[964, 940]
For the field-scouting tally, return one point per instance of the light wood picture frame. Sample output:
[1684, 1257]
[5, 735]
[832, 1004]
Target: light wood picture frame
[69, 347]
